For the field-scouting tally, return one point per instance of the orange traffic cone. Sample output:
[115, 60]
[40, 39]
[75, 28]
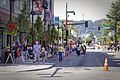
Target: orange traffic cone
[106, 65]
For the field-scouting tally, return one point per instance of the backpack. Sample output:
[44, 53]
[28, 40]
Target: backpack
[78, 48]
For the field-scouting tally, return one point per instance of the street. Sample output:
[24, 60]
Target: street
[84, 67]
[35, 33]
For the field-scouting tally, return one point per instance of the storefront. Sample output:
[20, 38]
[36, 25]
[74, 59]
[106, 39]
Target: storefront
[1, 44]
[4, 38]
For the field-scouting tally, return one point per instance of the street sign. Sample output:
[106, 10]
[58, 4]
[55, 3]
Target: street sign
[106, 27]
[75, 24]
[56, 21]
[48, 15]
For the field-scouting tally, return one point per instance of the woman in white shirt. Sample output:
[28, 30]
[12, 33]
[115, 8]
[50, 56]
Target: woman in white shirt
[36, 51]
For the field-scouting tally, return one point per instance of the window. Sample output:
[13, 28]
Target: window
[5, 2]
[18, 3]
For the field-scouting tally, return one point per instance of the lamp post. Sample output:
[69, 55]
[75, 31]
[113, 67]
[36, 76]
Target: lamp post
[66, 21]
[11, 9]
[32, 20]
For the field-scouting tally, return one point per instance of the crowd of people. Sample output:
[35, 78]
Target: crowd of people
[39, 53]
[112, 47]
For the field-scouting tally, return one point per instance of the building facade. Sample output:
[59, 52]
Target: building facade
[4, 18]
[6, 39]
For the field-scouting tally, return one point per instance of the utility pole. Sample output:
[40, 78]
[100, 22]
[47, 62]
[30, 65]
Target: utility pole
[66, 21]
[66, 25]
[11, 9]
[32, 20]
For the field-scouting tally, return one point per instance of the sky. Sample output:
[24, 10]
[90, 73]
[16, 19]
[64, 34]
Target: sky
[84, 9]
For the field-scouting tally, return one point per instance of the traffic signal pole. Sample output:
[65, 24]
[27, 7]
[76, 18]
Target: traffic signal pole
[66, 25]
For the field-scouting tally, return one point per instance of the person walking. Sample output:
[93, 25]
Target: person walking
[36, 51]
[55, 50]
[43, 54]
[78, 50]
[67, 52]
[60, 52]
[83, 48]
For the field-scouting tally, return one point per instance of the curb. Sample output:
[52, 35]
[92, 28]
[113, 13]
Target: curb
[13, 68]
[37, 69]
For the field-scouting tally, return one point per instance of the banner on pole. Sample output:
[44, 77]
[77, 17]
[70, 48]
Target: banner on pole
[56, 21]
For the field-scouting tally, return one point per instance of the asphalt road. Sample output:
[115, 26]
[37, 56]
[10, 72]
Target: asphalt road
[84, 67]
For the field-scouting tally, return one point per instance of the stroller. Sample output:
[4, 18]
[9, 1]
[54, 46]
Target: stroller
[30, 53]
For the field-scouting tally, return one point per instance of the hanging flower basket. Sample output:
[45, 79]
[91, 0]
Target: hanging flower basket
[11, 26]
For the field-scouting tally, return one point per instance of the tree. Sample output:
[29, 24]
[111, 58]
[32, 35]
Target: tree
[106, 26]
[72, 29]
[24, 23]
[54, 34]
[114, 18]
[40, 29]
[88, 40]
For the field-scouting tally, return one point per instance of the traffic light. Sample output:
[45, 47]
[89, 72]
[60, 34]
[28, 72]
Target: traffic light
[99, 28]
[86, 23]
[67, 33]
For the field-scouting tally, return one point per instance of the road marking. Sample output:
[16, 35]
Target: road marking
[55, 72]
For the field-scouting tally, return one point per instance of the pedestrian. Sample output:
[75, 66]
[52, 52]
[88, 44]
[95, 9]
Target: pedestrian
[52, 53]
[67, 52]
[36, 51]
[83, 47]
[43, 54]
[60, 52]
[48, 51]
[55, 50]
[30, 52]
[118, 47]
[78, 50]
[25, 52]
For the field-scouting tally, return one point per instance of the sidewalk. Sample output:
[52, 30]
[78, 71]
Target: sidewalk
[19, 66]
[24, 67]
[115, 54]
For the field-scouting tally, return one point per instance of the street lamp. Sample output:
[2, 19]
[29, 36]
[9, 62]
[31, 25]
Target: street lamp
[32, 20]
[11, 9]
[66, 21]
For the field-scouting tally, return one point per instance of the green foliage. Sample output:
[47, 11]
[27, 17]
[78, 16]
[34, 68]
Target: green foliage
[72, 28]
[24, 23]
[88, 40]
[49, 36]
[114, 18]
[53, 34]
[40, 34]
